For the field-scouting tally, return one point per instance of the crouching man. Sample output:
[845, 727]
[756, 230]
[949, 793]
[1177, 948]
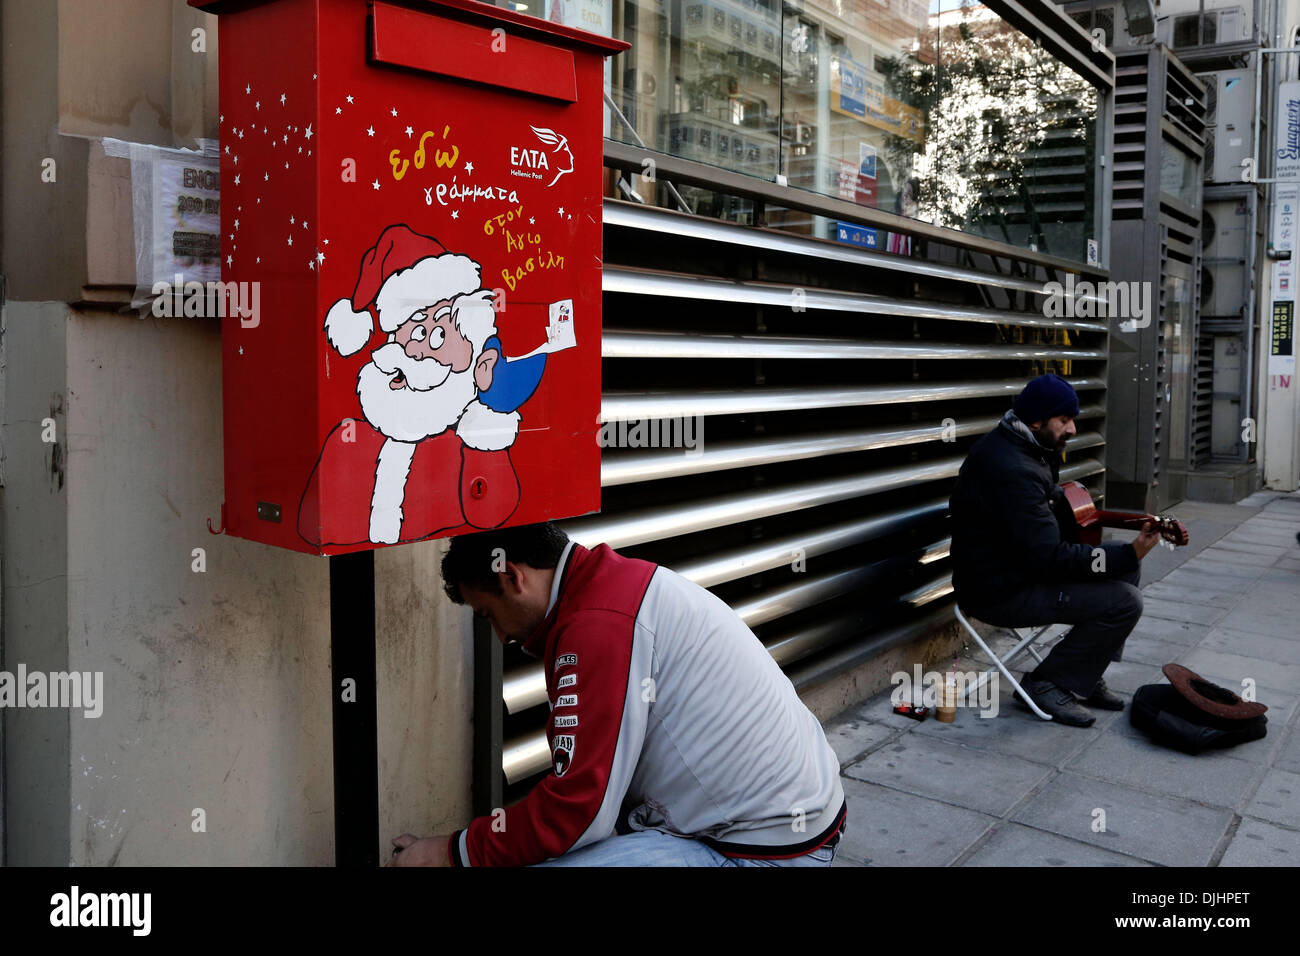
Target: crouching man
[675, 739]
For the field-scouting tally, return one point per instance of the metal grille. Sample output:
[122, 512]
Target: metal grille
[836, 391]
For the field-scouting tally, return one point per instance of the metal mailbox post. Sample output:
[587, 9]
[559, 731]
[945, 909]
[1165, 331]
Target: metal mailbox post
[411, 218]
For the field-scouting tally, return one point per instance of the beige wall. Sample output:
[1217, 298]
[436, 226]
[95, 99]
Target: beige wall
[217, 683]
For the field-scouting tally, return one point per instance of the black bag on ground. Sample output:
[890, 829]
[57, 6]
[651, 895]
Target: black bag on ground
[1192, 715]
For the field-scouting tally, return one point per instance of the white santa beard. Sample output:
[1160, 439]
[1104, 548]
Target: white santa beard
[409, 415]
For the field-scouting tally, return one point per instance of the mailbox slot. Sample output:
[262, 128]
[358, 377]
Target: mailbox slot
[490, 57]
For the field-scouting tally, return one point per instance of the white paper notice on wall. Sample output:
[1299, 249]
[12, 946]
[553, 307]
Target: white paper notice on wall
[175, 205]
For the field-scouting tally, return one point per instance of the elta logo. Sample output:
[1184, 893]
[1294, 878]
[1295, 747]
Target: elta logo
[560, 144]
[563, 753]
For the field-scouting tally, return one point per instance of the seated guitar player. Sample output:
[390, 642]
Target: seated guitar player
[1014, 566]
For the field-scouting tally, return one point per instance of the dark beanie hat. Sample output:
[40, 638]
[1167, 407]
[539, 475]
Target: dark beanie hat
[1046, 397]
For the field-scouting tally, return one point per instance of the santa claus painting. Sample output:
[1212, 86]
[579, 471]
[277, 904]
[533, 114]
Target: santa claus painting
[439, 402]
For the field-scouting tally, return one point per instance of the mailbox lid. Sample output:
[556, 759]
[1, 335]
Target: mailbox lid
[475, 9]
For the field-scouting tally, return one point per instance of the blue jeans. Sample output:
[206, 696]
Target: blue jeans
[656, 848]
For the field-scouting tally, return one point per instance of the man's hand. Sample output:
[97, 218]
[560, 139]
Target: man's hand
[414, 851]
[1146, 540]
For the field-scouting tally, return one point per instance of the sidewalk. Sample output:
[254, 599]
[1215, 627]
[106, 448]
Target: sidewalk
[1016, 791]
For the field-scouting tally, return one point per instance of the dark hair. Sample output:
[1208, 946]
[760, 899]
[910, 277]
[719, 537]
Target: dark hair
[470, 558]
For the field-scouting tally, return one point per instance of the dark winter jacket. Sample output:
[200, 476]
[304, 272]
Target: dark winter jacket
[1005, 533]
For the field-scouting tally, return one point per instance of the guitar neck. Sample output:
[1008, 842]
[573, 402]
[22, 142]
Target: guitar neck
[1124, 519]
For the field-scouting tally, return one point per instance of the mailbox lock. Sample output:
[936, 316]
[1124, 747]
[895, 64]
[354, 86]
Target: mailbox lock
[478, 487]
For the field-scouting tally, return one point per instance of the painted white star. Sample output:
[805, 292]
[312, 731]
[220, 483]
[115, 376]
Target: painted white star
[307, 131]
[469, 167]
[241, 350]
[455, 214]
[236, 179]
[570, 216]
[274, 144]
[409, 132]
[227, 149]
[320, 256]
[263, 130]
[230, 260]
[265, 178]
[236, 159]
[327, 242]
[304, 223]
[285, 138]
[231, 237]
[257, 105]
[236, 223]
[338, 110]
[299, 150]
[291, 218]
[311, 263]
[286, 166]
[393, 111]
[248, 89]
[531, 221]
[281, 99]
[221, 119]
[259, 260]
[375, 184]
[309, 152]
[259, 200]
[313, 76]
[291, 240]
[241, 134]
[561, 212]
[370, 131]
[349, 98]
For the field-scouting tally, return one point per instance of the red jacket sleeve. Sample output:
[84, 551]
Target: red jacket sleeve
[595, 732]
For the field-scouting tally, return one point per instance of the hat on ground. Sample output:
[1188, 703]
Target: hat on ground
[1211, 698]
[1046, 397]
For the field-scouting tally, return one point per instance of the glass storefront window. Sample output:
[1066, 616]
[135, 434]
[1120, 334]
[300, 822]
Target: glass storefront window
[936, 110]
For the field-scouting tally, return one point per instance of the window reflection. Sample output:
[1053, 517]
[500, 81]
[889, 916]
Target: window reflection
[936, 110]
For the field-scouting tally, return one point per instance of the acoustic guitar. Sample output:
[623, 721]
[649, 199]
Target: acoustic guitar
[1089, 519]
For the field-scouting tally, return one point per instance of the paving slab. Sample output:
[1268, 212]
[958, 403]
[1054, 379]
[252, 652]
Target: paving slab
[1013, 844]
[1277, 799]
[1014, 732]
[1226, 640]
[1176, 632]
[1264, 612]
[1141, 649]
[1228, 556]
[851, 736]
[1178, 611]
[1125, 677]
[1183, 591]
[1288, 758]
[1262, 844]
[1162, 829]
[1267, 675]
[891, 828]
[1215, 778]
[981, 780]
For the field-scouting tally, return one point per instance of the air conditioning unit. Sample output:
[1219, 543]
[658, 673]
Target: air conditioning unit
[1229, 115]
[1224, 236]
[1226, 25]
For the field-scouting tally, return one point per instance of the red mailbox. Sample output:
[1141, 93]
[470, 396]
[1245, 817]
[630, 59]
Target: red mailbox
[411, 218]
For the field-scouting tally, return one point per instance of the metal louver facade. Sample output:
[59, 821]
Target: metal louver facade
[835, 391]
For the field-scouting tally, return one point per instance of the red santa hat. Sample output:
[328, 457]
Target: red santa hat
[403, 271]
